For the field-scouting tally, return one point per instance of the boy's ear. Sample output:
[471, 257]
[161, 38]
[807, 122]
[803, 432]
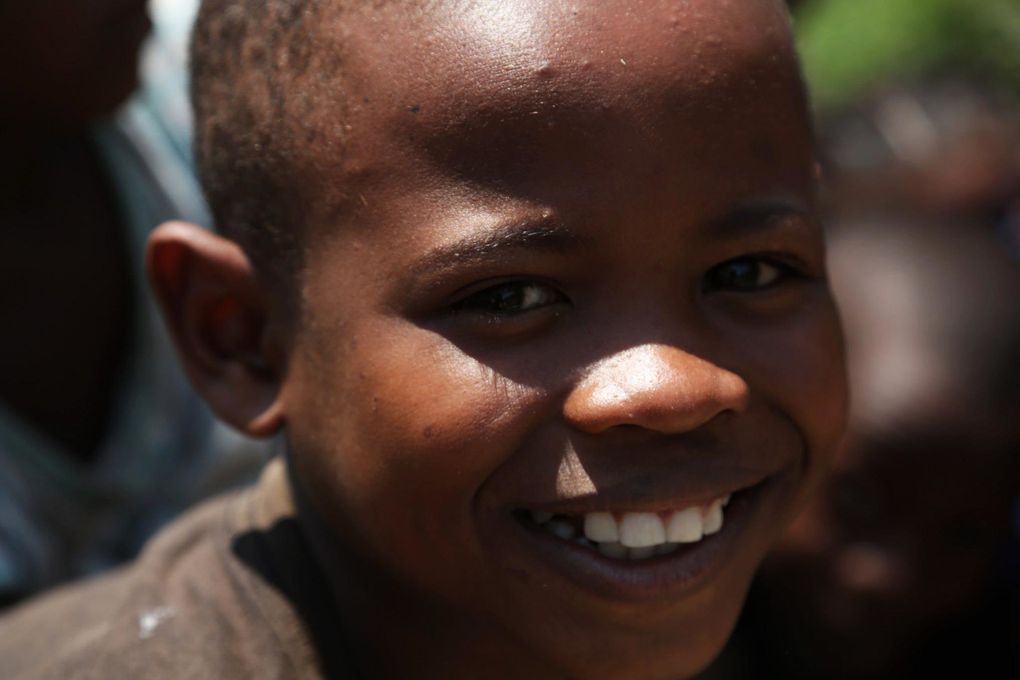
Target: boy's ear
[219, 318]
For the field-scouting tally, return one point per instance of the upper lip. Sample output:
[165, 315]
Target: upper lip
[650, 494]
[643, 474]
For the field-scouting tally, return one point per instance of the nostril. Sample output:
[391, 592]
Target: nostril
[865, 567]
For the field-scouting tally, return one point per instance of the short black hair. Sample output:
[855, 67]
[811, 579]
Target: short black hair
[256, 66]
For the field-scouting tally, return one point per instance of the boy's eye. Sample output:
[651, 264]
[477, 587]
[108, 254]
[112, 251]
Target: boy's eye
[511, 299]
[746, 274]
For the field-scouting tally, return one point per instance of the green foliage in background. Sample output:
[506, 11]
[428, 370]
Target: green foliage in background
[850, 46]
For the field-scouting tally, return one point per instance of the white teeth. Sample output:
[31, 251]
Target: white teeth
[601, 527]
[640, 553]
[685, 526]
[562, 529]
[637, 535]
[541, 516]
[615, 550]
[726, 499]
[712, 520]
[641, 530]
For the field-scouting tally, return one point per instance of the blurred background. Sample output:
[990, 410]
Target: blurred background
[101, 439]
[906, 564]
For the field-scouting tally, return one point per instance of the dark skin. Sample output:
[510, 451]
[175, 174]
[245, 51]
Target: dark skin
[587, 240]
[64, 267]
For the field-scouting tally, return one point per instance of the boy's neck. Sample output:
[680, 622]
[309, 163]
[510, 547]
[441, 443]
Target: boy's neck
[391, 631]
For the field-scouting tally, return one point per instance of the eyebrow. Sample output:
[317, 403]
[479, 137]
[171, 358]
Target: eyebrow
[489, 245]
[764, 215]
[551, 237]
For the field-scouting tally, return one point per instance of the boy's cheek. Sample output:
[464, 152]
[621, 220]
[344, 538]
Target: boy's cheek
[822, 399]
[798, 367]
[398, 449]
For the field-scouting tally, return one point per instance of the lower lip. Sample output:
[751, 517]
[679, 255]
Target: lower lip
[661, 577]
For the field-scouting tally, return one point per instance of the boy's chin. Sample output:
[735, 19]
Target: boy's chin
[671, 648]
[665, 616]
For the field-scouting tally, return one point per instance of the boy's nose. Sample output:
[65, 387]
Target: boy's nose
[867, 568]
[657, 387]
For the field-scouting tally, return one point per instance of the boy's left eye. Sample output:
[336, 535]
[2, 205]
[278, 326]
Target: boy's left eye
[746, 274]
[510, 299]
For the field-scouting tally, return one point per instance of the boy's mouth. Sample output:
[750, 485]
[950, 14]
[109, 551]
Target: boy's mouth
[633, 535]
[623, 545]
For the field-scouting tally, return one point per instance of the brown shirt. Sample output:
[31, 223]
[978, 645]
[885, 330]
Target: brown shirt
[228, 591]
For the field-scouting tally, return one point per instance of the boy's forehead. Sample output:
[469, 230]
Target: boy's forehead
[618, 99]
[451, 59]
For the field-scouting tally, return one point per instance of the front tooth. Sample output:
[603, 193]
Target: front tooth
[641, 530]
[614, 550]
[712, 520]
[562, 529]
[541, 516]
[601, 527]
[666, 548]
[685, 526]
[641, 553]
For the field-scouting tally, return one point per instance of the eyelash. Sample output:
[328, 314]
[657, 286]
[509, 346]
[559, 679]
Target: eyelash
[510, 299]
[516, 298]
[778, 272]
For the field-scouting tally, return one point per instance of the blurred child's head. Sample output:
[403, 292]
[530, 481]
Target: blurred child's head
[948, 147]
[908, 531]
[501, 269]
[68, 60]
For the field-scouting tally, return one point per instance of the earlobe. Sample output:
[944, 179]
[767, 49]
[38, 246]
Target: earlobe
[220, 319]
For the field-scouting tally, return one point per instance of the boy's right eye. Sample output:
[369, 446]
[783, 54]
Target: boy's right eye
[510, 299]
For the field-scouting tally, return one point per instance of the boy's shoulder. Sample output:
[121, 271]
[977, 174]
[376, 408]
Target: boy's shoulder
[218, 594]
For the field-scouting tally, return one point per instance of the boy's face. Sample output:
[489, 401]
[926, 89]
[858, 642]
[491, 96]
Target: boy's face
[582, 273]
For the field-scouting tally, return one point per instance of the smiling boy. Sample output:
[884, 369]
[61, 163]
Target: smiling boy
[535, 292]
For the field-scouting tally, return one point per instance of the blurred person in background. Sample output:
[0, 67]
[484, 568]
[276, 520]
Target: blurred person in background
[101, 440]
[906, 565]
[918, 103]
[947, 146]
